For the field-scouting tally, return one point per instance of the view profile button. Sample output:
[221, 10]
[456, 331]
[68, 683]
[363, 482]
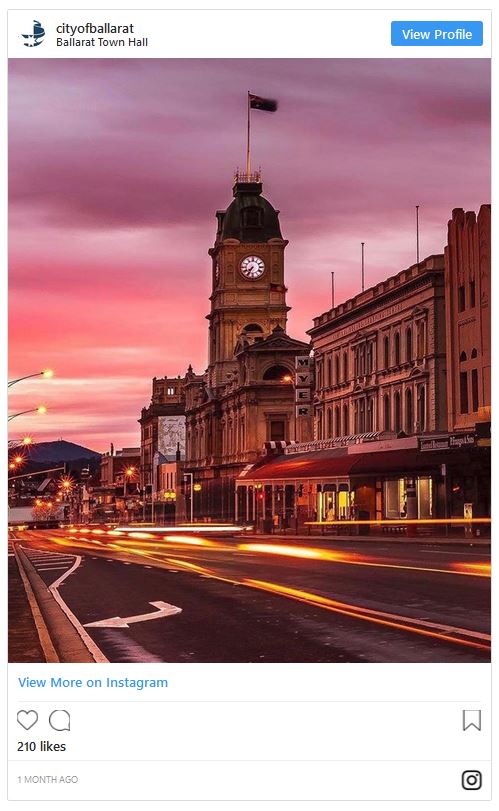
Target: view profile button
[434, 33]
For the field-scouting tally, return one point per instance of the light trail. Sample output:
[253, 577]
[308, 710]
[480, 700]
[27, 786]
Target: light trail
[353, 559]
[378, 617]
[440, 632]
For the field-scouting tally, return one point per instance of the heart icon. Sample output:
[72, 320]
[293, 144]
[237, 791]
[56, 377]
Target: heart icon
[27, 718]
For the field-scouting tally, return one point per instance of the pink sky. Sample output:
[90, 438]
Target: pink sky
[117, 168]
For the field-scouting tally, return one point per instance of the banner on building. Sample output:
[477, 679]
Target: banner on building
[171, 432]
[447, 442]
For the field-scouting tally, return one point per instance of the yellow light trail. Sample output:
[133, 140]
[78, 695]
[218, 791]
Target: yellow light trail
[470, 570]
[377, 617]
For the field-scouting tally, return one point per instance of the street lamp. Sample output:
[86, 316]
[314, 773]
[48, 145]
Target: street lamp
[47, 373]
[40, 410]
[129, 474]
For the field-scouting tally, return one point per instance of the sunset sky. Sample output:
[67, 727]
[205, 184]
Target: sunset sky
[118, 166]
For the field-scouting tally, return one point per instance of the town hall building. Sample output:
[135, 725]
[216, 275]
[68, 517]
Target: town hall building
[246, 398]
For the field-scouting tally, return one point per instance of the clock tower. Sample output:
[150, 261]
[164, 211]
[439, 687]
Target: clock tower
[248, 299]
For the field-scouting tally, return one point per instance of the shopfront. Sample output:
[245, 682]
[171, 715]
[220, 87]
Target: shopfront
[342, 485]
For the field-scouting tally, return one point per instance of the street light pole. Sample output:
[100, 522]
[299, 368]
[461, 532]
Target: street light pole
[191, 477]
[44, 373]
[39, 410]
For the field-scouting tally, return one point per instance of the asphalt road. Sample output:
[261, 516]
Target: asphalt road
[262, 600]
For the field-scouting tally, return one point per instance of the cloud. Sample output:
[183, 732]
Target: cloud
[118, 168]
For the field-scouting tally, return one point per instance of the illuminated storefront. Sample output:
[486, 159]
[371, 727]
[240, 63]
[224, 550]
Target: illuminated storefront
[352, 483]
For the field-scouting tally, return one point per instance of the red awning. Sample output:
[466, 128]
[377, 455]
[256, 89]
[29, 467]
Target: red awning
[337, 463]
[303, 466]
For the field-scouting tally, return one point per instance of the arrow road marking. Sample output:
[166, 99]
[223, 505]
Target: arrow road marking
[163, 610]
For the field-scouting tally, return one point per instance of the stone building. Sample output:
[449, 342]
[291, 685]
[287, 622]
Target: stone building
[467, 297]
[380, 357]
[246, 396]
[167, 400]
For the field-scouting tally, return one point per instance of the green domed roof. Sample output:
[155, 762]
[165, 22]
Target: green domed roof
[250, 217]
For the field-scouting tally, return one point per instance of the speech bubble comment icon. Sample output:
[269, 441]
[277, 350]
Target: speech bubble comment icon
[60, 720]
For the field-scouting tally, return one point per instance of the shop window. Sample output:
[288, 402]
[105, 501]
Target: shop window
[461, 298]
[386, 352]
[395, 498]
[472, 293]
[386, 412]
[277, 430]
[397, 349]
[409, 413]
[463, 392]
[343, 502]
[408, 344]
[474, 389]
[424, 491]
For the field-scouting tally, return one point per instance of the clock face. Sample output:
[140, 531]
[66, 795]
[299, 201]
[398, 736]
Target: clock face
[252, 267]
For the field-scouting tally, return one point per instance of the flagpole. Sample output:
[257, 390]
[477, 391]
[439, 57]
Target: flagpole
[417, 234]
[362, 268]
[248, 154]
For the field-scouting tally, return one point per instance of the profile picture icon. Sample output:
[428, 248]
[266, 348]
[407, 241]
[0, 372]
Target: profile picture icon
[36, 38]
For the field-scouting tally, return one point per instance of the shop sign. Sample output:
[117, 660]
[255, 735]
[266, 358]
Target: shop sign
[448, 442]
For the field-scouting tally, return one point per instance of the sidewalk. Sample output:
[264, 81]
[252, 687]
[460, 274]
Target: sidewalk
[24, 642]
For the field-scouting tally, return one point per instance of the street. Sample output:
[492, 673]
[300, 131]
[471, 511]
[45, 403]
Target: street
[151, 595]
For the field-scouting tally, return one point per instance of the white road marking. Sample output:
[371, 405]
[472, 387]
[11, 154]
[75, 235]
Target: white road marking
[164, 610]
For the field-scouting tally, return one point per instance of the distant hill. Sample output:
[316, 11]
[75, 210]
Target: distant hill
[60, 451]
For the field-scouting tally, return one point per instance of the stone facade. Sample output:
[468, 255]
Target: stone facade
[467, 293]
[246, 396]
[380, 357]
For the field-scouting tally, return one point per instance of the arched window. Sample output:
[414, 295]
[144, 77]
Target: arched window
[345, 366]
[362, 417]
[386, 352]
[370, 355]
[474, 353]
[463, 357]
[278, 373]
[337, 369]
[408, 344]
[346, 426]
[422, 408]
[337, 412]
[370, 414]
[329, 423]
[386, 412]
[397, 413]
[409, 412]
[328, 371]
[421, 340]
[397, 349]
[253, 328]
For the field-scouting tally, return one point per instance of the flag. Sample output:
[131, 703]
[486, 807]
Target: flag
[257, 103]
